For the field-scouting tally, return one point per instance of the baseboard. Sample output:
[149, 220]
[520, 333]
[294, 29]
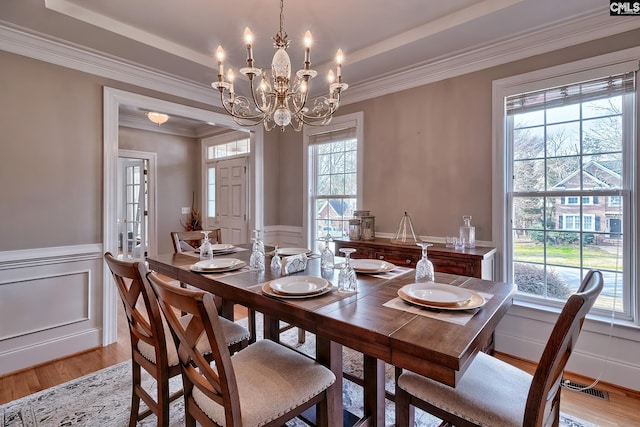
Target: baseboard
[44, 352]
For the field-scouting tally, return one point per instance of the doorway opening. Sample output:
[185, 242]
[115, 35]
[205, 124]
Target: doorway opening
[113, 100]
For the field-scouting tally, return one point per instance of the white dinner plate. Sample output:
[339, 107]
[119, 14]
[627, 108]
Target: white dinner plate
[221, 247]
[217, 264]
[293, 251]
[371, 266]
[298, 285]
[266, 288]
[437, 294]
[476, 301]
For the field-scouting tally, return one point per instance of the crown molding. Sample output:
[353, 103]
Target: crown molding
[44, 48]
[543, 40]
[558, 36]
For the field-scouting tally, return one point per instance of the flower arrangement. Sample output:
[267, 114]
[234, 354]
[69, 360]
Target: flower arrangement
[193, 223]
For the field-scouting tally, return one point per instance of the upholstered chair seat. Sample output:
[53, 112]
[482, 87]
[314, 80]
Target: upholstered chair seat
[272, 381]
[490, 393]
[234, 334]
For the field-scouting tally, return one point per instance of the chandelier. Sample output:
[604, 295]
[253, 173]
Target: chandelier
[278, 101]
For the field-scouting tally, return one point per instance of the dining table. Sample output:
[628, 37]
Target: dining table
[437, 343]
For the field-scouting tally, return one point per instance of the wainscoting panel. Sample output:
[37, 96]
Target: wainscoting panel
[61, 299]
[284, 236]
[50, 304]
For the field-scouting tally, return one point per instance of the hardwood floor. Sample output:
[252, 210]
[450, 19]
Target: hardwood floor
[621, 410]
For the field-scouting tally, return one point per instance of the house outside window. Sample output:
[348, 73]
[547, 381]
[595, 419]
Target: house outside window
[333, 177]
[569, 150]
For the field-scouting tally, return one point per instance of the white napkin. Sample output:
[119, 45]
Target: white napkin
[294, 263]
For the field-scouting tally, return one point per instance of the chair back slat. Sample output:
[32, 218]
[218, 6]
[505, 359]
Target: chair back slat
[218, 384]
[543, 401]
[142, 310]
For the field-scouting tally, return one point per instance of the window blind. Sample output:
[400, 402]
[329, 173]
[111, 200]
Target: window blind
[332, 136]
[571, 94]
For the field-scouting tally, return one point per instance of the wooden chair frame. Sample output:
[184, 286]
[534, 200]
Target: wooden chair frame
[543, 399]
[220, 384]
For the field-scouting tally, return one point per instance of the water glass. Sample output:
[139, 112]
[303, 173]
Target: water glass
[347, 279]
[276, 264]
[326, 256]
[424, 268]
[459, 243]
[256, 260]
[206, 249]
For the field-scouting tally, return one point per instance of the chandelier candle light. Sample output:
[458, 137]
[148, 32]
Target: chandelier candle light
[274, 102]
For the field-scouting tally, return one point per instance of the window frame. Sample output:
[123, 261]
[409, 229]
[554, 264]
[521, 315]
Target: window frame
[353, 120]
[591, 68]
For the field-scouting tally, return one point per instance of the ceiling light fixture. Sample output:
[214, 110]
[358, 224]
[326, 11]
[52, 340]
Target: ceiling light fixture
[274, 102]
[157, 118]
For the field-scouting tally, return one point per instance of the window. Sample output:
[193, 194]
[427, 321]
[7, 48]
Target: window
[568, 147]
[572, 222]
[334, 182]
[229, 149]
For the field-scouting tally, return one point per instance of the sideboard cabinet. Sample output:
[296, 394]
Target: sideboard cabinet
[477, 262]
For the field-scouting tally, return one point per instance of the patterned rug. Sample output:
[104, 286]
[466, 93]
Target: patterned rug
[102, 398]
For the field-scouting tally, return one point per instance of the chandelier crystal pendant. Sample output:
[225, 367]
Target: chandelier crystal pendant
[276, 100]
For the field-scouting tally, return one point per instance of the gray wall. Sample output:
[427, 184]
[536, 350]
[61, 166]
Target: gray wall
[428, 150]
[51, 156]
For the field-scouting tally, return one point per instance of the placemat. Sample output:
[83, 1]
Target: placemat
[457, 317]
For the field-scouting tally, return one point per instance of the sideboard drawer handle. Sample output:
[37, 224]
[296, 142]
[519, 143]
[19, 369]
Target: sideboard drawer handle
[381, 256]
[408, 261]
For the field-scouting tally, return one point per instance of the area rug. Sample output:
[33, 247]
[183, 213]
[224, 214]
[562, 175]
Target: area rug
[103, 397]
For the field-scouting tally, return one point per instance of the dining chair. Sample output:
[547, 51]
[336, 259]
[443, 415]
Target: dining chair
[184, 241]
[494, 393]
[265, 384]
[152, 346]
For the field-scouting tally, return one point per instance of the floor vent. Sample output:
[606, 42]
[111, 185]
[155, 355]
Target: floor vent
[580, 388]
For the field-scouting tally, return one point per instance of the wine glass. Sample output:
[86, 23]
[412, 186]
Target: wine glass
[256, 260]
[347, 278]
[276, 264]
[327, 257]
[424, 268]
[206, 250]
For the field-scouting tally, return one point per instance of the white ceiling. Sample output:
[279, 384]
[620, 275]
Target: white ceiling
[382, 40]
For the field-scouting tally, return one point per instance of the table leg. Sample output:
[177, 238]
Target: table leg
[329, 354]
[374, 391]
[271, 328]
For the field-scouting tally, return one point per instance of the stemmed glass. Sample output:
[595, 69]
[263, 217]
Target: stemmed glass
[424, 268]
[256, 260]
[276, 264]
[327, 257]
[347, 278]
[206, 250]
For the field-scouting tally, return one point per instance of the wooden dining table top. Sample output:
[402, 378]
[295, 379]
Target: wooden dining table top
[437, 348]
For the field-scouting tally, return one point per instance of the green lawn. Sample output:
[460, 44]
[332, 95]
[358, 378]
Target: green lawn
[567, 255]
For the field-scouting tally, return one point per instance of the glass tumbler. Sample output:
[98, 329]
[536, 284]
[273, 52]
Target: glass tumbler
[424, 268]
[347, 278]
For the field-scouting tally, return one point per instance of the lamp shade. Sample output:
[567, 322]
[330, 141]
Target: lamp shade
[157, 118]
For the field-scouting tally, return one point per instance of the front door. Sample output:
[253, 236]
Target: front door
[231, 199]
